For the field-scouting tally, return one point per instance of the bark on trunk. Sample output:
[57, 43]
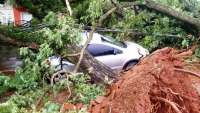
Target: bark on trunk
[97, 70]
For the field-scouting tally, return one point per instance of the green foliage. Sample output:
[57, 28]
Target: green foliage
[95, 10]
[189, 7]
[79, 8]
[34, 68]
[84, 92]
[29, 78]
[64, 33]
[130, 21]
[161, 31]
[25, 98]
[4, 80]
[31, 73]
[158, 29]
[50, 107]
[8, 107]
[63, 30]
[26, 102]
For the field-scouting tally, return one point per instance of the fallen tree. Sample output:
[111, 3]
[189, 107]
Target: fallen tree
[97, 70]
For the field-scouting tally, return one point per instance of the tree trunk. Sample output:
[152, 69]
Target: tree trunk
[97, 70]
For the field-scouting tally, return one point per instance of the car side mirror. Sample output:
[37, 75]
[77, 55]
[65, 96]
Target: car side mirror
[116, 51]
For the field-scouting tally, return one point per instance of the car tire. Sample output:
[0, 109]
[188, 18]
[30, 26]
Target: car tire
[129, 65]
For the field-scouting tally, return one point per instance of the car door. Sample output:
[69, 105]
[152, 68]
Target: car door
[110, 56]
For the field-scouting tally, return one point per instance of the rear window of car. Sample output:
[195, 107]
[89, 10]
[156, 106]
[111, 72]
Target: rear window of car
[113, 41]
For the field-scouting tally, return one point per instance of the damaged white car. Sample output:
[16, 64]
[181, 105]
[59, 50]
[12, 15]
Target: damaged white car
[114, 54]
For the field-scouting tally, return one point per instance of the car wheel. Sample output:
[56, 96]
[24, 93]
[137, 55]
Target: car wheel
[129, 65]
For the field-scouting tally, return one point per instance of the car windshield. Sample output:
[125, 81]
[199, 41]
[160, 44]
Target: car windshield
[113, 41]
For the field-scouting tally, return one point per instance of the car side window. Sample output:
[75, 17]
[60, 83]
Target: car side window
[100, 49]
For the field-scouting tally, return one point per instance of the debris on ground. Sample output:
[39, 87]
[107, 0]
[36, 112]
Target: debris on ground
[160, 83]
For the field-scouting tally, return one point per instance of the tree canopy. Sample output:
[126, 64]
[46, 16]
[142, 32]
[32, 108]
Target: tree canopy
[54, 30]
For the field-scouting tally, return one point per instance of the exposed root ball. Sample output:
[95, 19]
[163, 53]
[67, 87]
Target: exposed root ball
[152, 86]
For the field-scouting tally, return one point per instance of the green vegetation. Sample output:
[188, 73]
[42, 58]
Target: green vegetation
[29, 83]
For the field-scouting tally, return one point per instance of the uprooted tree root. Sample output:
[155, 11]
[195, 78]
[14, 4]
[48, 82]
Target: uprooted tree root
[158, 84]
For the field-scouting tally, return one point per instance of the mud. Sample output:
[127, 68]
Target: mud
[156, 85]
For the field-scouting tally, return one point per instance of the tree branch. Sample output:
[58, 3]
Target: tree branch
[68, 7]
[106, 15]
[103, 17]
[84, 48]
[166, 10]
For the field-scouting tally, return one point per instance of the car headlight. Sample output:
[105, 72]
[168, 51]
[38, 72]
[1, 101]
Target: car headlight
[147, 52]
[143, 52]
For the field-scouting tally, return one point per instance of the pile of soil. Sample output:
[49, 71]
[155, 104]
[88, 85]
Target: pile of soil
[158, 84]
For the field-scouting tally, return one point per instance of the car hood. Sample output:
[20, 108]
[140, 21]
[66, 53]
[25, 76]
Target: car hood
[131, 46]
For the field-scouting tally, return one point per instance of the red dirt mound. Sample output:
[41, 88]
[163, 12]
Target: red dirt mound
[158, 84]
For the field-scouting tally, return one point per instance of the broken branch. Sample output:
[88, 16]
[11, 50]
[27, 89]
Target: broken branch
[103, 17]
